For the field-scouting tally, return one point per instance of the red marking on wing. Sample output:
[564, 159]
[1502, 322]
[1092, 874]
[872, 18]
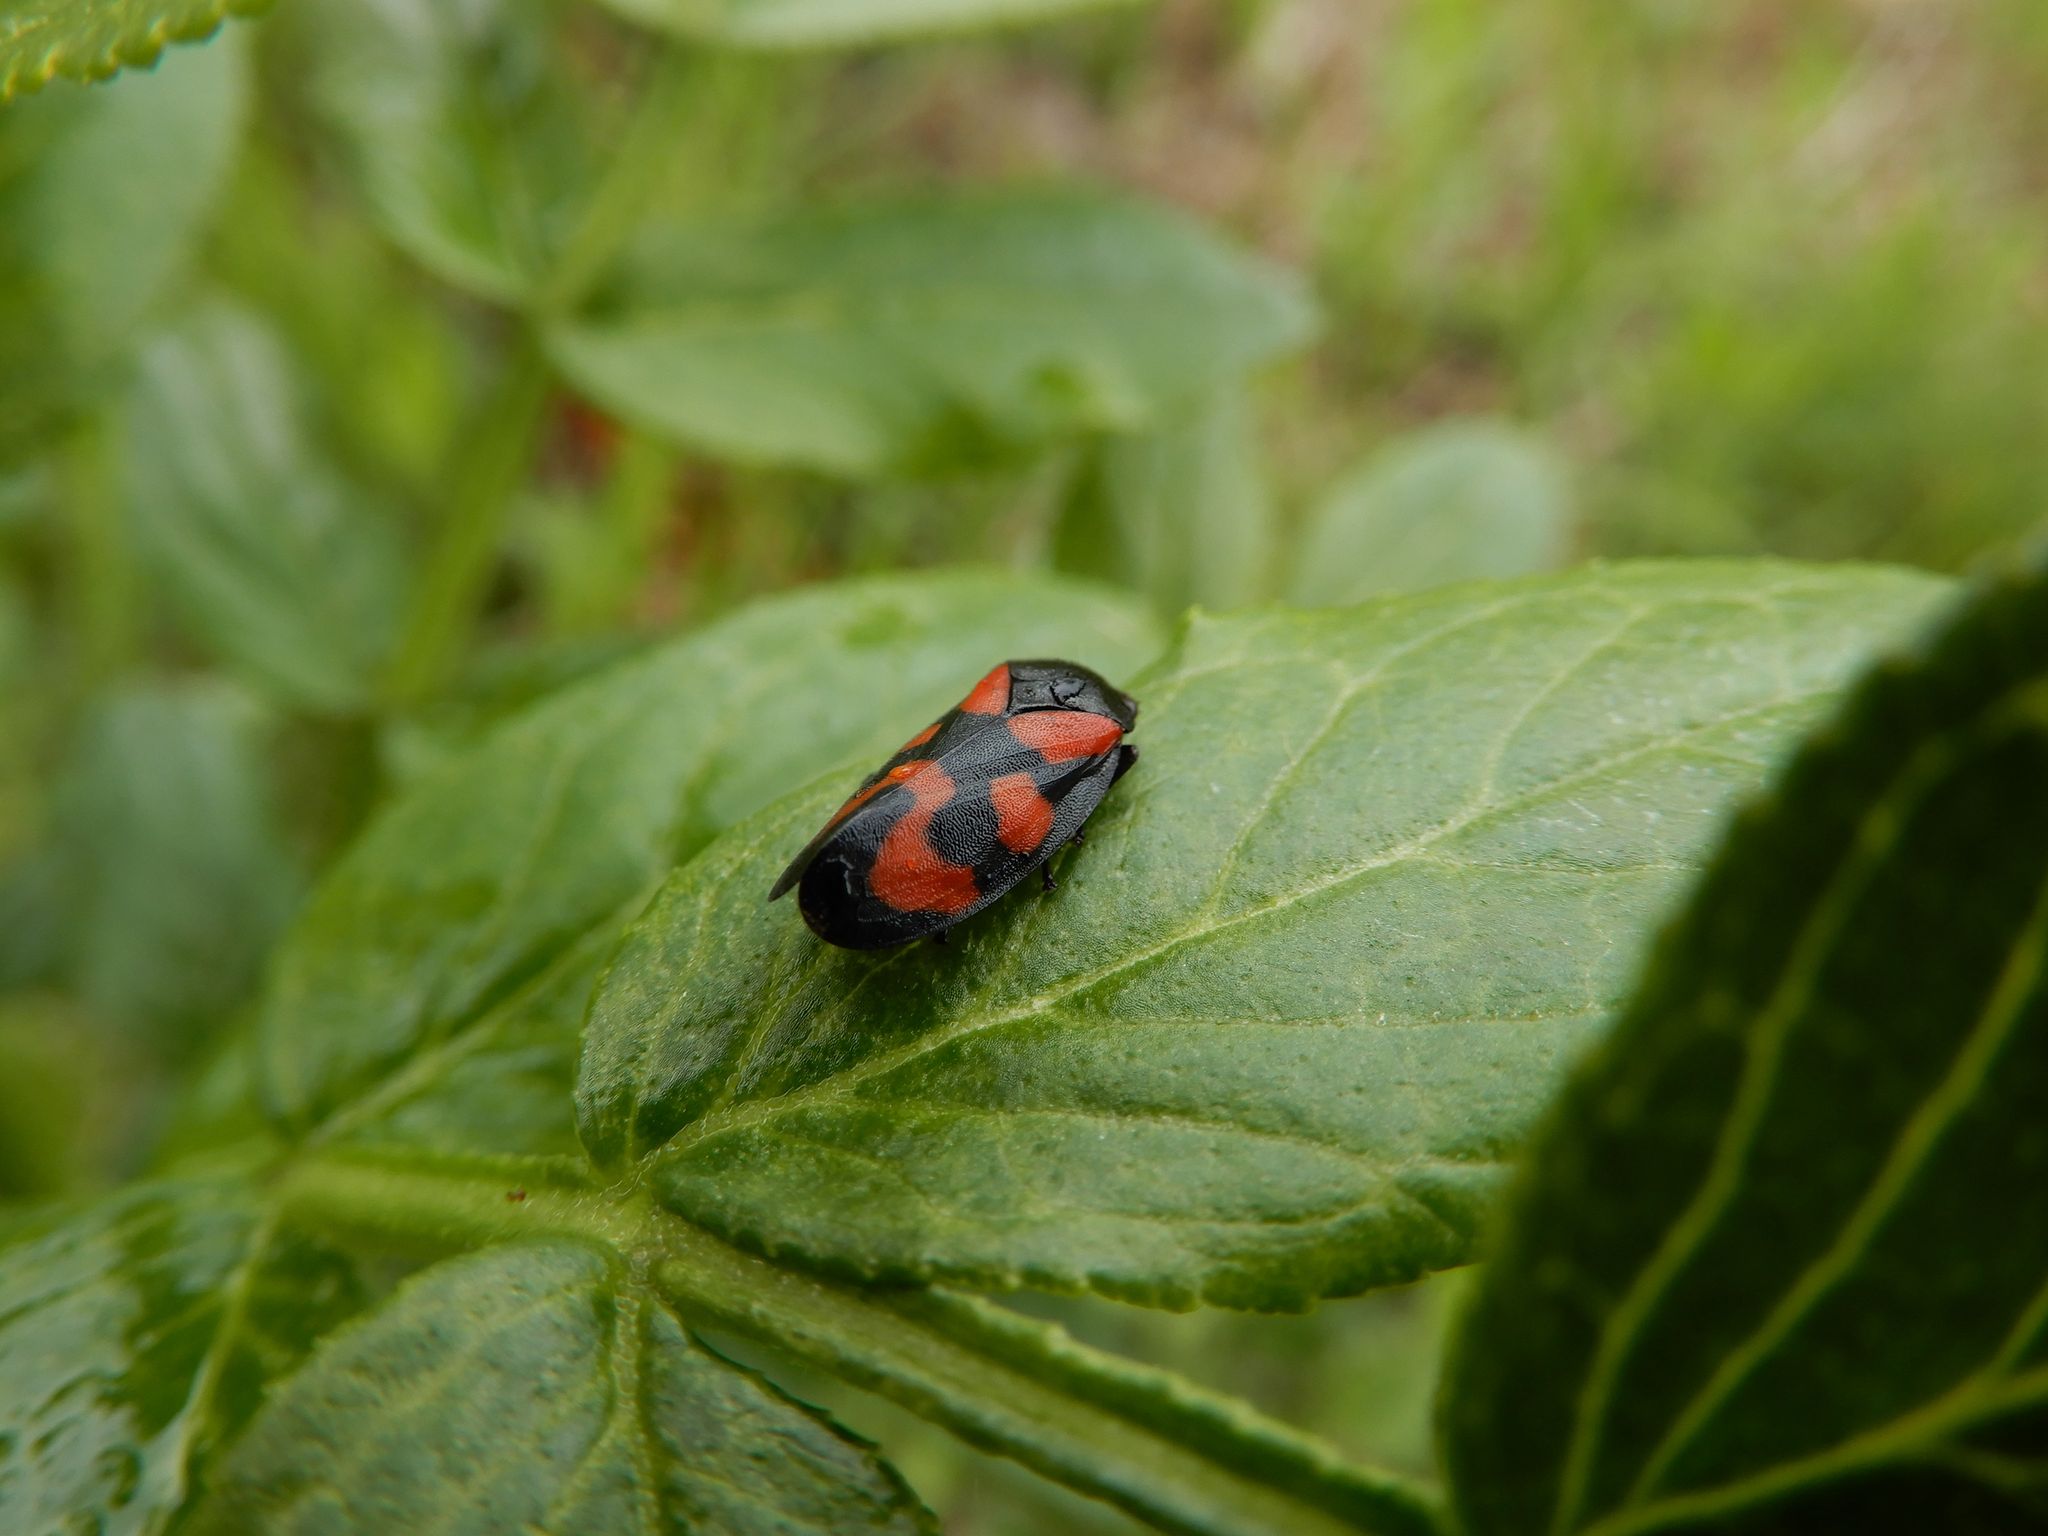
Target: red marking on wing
[919, 739]
[1023, 815]
[908, 873]
[1059, 734]
[861, 797]
[991, 695]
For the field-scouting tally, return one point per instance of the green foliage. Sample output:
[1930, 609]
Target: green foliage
[537, 1387]
[466, 142]
[290, 574]
[137, 1331]
[817, 23]
[404, 409]
[175, 858]
[1181, 512]
[1779, 1263]
[913, 335]
[461, 934]
[103, 197]
[90, 39]
[1161, 1085]
[1457, 502]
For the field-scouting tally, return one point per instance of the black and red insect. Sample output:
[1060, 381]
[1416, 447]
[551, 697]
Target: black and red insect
[966, 808]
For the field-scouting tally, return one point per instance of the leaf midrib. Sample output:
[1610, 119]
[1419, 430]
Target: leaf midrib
[1921, 1135]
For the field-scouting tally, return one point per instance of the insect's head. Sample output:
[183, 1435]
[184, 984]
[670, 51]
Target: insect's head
[1066, 685]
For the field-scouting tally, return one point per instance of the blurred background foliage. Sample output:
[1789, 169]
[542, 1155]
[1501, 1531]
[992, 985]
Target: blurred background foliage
[369, 371]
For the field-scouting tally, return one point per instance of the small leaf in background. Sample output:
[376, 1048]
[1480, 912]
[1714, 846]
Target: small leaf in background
[1182, 512]
[104, 192]
[1449, 503]
[90, 39]
[1380, 875]
[285, 570]
[481, 894]
[461, 129]
[1781, 1261]
[531, 1386]
[180, 872]
[840, 23]
[926, 333]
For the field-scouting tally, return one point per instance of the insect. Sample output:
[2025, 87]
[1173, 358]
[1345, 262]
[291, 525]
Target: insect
[966, 808]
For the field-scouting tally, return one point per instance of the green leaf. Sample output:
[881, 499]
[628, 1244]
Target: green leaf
[529, 1387]
[828, 23]
[285, 570]
[1455, 502]
[469, 920]
[1781, 1263]
[1380, 875]
[1181, 513]
[90, 39]
[181, 870]
[462, 131]
[920, 334]
[135, 1332]
[104, 193]
[1180, 1459]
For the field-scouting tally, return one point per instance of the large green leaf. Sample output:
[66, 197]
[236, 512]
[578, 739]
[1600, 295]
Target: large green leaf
[921, 333]
[1380, 875]
[179, 867]
[488, 893]
[103, 196]
[821, 23]
[132, 1334]
[284, 569]
[462, 130]
[1454, 502]
[530, 1388]
[1781, 1264]
[90, 39]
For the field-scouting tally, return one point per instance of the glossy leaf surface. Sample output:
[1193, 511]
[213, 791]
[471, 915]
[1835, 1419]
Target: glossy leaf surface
[1379, 876]
[525, 1388]
[132, 1334]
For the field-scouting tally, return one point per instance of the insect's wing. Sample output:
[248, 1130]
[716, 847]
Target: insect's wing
[918, 748]
[920, 855]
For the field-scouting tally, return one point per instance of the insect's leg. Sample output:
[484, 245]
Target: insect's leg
[1045, 877]
[1125, 756]
[940, 936]
[1080, 836]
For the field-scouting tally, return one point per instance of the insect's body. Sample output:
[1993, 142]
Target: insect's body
[966, 808]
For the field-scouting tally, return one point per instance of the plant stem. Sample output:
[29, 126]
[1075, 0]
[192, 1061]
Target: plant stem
[494, 460]
[645, 145]
[105, 593]
[487, 477]
[1175, 1457]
